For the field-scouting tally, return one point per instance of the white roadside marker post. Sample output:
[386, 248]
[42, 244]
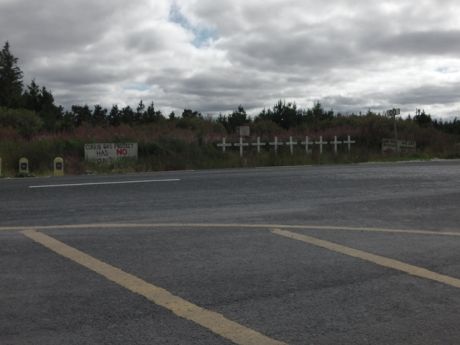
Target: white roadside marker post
[349, 142]
[24, 166]
[321, 143]
[307, 144]
[241, 145]
[224, 145]
[336, 142]
[258, 144]
[58, 166]
[276, 143]
[291, 144]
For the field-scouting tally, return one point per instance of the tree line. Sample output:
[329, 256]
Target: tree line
[32, 108]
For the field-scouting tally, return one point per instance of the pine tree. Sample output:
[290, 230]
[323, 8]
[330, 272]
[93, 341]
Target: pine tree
[10, 79]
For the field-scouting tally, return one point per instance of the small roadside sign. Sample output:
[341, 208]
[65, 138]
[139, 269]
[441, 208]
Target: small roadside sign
[58, 166]
[24, 166]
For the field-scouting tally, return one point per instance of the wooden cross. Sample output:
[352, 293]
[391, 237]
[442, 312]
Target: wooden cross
[258, 144]
[224, 145]
[336, 142]
[349, 142]
[276, 143]
[291, 144]
[321, 143]
[241, 144]
[307, 144]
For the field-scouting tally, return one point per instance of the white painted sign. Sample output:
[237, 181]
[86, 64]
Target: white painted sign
[392, 145]
[244, 131]
[108, 152]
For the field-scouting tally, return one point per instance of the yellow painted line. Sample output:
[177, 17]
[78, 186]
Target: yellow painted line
[376, 259]
[210, 320]
[231, 225]
[101, 183]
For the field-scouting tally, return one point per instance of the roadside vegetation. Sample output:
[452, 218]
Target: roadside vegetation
[33, 126]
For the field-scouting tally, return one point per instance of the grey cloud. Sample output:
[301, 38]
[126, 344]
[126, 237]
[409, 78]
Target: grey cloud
[146, 40]
[425, 42]
[408, 99]
[219, 84]
[428, 95]
[83, 94]
[44, 27]
[79, 75]
[301, 50]
[350, 104]
[219, 91]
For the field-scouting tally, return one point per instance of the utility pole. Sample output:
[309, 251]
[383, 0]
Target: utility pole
[393, 113]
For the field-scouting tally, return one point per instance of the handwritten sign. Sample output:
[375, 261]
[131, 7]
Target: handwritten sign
[109, 152]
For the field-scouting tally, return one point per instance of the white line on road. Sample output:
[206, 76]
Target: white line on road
[101, 183]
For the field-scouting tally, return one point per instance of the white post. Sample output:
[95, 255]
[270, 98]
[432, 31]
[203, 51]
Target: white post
[241, 145]
[291, 144]
[349, 142]
[307, 144]
[336, 142]
[224, 145]
[258, 144]
[276, 144]
[321, 143]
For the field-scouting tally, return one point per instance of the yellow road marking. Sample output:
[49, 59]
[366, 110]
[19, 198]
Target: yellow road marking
[213, 321]
[231, 225]
[376, 259]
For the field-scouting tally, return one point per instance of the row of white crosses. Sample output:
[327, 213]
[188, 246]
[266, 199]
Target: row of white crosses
[291, 143]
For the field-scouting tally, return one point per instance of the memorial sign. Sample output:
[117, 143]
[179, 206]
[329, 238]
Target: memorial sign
[392, 145]
[109, 152]
[244, 131]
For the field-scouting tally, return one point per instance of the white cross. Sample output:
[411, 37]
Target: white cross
[336, 142]
[291, 144]
[276, 143]
[307, 144]
[241, 145]
[321, 143]
[224, 145]
[258, 144]
[349, 142]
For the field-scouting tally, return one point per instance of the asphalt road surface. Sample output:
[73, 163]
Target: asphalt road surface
[356, 254]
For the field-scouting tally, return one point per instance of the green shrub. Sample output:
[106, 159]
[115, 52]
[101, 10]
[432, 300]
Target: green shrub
[26, 122]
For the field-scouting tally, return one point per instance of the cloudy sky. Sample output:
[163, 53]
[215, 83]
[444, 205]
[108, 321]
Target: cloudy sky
[212, 55]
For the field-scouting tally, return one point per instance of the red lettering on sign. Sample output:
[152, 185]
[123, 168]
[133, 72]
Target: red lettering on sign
[122, 152]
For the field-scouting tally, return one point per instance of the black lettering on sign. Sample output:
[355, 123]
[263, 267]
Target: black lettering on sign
[103, 153]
